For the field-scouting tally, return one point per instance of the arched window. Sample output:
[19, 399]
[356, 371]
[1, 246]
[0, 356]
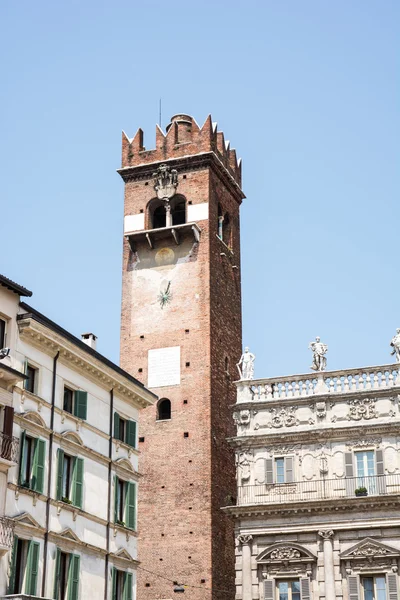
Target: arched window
[220, 223]
[164, 409]
[159, 218]
[157, 214]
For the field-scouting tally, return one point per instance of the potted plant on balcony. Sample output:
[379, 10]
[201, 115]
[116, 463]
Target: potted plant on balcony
[361, 491]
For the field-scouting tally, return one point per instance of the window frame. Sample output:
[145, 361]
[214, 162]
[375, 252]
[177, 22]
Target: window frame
[271, 474]
[74, 401]
[3, 331]
[162, 401]
[374, 577]
[124, 493]
[30, 366]
[291, 595]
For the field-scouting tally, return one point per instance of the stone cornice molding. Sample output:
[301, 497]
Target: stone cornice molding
[123, 559]
[317, 506]
[317, 435]
[50, 342]
[26, 526]
[183, 164]
[68, 541]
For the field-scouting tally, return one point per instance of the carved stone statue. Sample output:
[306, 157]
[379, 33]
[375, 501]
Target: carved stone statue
[319, 350]
[246, 365]
[165, 182]
[395, 343]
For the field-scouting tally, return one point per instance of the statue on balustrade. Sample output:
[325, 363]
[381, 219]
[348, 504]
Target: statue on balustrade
[319, 359]
[395, 343]
[246, 365]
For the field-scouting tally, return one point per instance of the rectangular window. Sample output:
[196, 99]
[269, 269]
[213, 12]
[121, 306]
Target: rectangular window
[30, 382]
[24, 567]
[122, 585]
[32, 463]
[66, 576]
[288, 590]
[125, 430]
[374, 588]
[2, 333]
[279, 470]
[75, 402]
[124, 503]
[69, 479]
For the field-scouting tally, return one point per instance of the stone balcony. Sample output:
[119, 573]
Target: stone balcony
[9, 451]
[6, 534]
[319, 490]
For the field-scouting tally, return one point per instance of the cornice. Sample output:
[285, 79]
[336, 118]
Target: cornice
[192, 162]
[317, 506]
[316, 435]
[50, 342]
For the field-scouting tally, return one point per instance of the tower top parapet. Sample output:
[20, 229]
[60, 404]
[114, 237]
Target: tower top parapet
[183, 137]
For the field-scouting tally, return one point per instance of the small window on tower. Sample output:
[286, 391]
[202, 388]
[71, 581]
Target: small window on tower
[164, 410]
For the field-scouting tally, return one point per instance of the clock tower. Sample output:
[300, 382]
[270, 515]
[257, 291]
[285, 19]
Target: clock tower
[181, 336]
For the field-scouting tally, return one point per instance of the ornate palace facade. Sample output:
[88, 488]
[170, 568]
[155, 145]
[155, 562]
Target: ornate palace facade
[318, 468]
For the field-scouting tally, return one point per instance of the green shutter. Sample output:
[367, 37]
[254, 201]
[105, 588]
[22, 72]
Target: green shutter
[32, 564]
[114, 574]
[128, 587]
[73, 577]
[57, 574]
[60, 473]
[131, 433]
[21, 480]
[11, 581]
[80, 408]
[130, 506]
[116, 426]
[38, 466]
[115, 498]
[77, 482]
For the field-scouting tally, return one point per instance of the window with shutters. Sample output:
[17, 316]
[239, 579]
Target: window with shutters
[32, 463]
[124, 503]
[122, 585]
[69, 479]
[66, 576]
[365, 472]
[23, 576]
[125, 430]
[75, 402]
[279, 470]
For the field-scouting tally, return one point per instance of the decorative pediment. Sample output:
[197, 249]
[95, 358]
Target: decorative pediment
[281, 552]
[369, 547]
[124, 463]
[124, 554]
[26, 520]
[69, 535]
[35, 418]
[72, 436]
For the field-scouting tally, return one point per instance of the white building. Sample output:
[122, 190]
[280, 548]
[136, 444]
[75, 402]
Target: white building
[68, 464]
[318, 504]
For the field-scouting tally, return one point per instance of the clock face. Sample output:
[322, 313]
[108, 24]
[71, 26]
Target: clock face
[165, 295]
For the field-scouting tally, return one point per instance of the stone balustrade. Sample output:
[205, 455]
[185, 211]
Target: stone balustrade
[6, 533]
[328, 382]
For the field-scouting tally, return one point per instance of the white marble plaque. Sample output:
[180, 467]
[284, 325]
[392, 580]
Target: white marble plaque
[164, 367]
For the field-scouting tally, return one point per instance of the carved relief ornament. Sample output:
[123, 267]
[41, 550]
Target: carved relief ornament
[362, 408]
[283, 417]
[245, 539]
[364, 443]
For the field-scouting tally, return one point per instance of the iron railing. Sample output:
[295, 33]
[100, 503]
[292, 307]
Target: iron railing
[9, 447]
[6, 532]
[320, 489]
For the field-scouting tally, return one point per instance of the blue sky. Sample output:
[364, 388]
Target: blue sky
[307, 92]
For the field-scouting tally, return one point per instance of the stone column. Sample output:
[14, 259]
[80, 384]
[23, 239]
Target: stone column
[329, 570]
[245, 540]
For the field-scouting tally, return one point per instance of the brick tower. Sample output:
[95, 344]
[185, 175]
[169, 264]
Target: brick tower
[181, 336]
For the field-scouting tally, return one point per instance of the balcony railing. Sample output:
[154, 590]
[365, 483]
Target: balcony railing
[321, 489]
[328, 382]
[9, 447]
[6, 532]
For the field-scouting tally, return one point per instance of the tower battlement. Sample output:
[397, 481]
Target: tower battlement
[183, 137]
